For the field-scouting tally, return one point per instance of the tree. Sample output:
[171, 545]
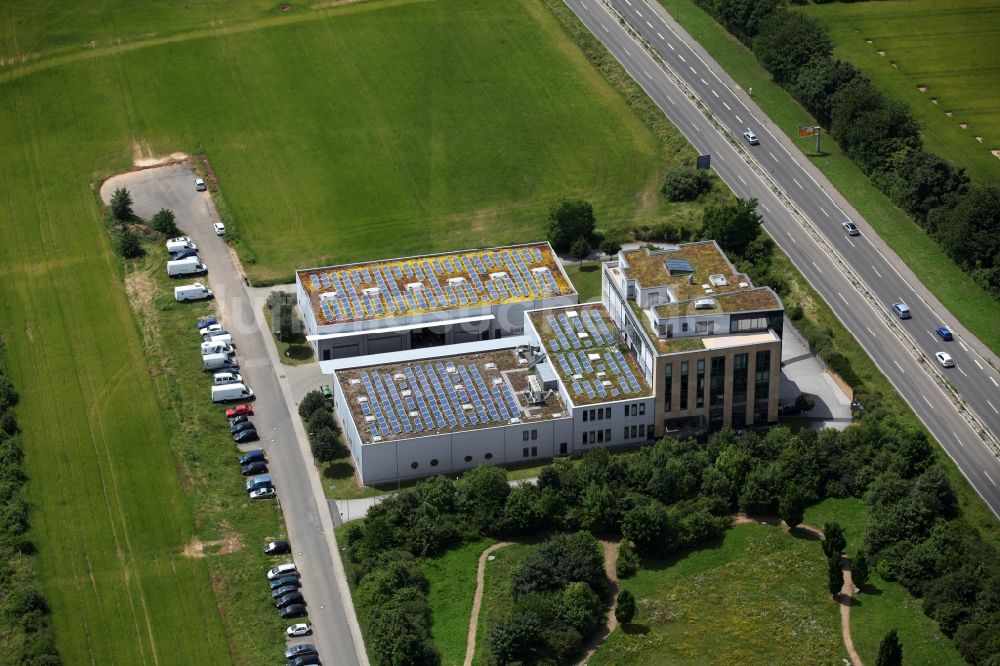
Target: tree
[890, 651]
[165, 222]
[787, 41]
[8, 394]
[870, 127]
[128, 245]
[835, 575]
[792, 506]
[732, 226]
[624, 607]
[684, 183]
[612, 242]
[482, 496]
[325, 445]
[859, 570]
[648, 527]
[628, 562]
[918, 182]
[311, 401]
[321, 418]
[568, 221]
[121, 205]
[513, 638]
[579, 607]
[286, 324]
[818, 81]
[970, 231]
[580, 249]
[834, 541]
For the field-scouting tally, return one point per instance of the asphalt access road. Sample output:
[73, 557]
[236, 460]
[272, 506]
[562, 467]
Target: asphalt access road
[172, 187]
[839, 267]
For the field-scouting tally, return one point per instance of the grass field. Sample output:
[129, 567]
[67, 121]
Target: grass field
[758, 596]
[970, 304]
[497, 597]
[328, 129]
[946, 47]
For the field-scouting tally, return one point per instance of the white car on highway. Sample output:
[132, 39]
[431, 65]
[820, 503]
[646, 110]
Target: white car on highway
[751, 138]
[944, 358]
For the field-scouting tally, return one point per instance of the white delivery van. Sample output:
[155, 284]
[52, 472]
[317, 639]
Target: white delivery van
[215, 362]
[180, 243]
[224, 392]
[223, 337]
[188, 266]
[216, 348]
[210, 330]
[192, 292]
[226, 378]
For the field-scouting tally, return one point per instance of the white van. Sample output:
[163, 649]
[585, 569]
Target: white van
[220, 378]
[238, 391]
[223, 337]
[216, 348]
[180, 243]
[210, 362]
[192, 292]
[186, 266]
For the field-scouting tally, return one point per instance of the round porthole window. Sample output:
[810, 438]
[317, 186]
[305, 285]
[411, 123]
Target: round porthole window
[468, 458]
[488, 456]
[434, 462]
[413, 465]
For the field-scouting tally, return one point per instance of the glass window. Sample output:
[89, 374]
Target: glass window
[607, 412]
[524, 452]
[642, 430]
[585, 413]
[699, 399]
[607, 435]
[414, 465]
[534, 434]
[626, 433]
[524, 436]
[684, 384]
[592, 436]
[434, 462]
[635, 410]
[642, 409]
[534, 451]
[633, 432]
[600, 436]
[668, 396]
[584, 438]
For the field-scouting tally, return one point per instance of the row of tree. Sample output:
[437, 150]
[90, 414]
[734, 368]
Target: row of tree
[26, 637]
[879, 134]
[326, 440]
[125, 237]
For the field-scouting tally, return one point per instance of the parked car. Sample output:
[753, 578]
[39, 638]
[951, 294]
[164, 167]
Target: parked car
[252, 456]
[209, 328]
[256, 467]
[239, 410]
[295, 610]
[945, 333]
[283, 590]
[177, 255]
[199, 185]
[284, 569]
[300, 650]
[277, 548]
[944, 358]
[300, 629]
[244, 436]
[259, 482]
[267, 492]
[220, 229]
[289, 599]
[751, 138]
[240, 426]
[205, 321]
[307, 660]
[901, 310]
[851, 229]
[282, 581]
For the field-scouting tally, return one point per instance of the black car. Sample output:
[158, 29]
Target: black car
[307, 660]
[283, 590]
[300, 650]
[239, 419]
[289, 599]
[292, 580]
[250, 469]
[293, 611]
[246, 436]
[252, 456]
[277, 548]
[241, 426]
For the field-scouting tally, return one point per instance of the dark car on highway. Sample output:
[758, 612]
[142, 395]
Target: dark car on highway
[257, 467]
[295, 610]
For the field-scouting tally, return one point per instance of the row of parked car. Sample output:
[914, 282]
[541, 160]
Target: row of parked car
[218, 356]
[286, 591]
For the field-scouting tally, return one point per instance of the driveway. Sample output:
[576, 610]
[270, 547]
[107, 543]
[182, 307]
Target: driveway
[307, 514]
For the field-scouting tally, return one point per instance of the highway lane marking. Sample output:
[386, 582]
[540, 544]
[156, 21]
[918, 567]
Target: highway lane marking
[627, 51]
[989, 477]
[927, 401]
[692, 69]
[903, 371]
[877, 273]
[977, 364]
[851, 242]
[797, 183]
[719, 155]
[848, 304]
[638, 13]
[738, 119]
[741, 179]
[956, 438]
[726, 105]
[771, 154]
[703, 81]
[649, 24]
[816, 267]
[695, 125]
[791, 237]
[962, 346]
[671, 46]
[963, 372]
[993, 406]
[659, 35]
[681, 57]
[764, 206]
[670, 100]
[871, 331]
[994, 382]
[628, 3]
[605, 28]
[648, 75]
[824, 211]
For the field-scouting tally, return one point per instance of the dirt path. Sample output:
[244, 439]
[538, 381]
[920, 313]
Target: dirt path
[846, 596]
[477, 600]
[610, 622]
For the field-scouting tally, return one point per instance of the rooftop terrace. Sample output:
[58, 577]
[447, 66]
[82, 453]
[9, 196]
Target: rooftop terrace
[582, 346]
[441, 395]
[686, 270]
[434, 283]
[745, 300]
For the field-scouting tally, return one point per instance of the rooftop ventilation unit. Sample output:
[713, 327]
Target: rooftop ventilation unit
[718, 280]
[744, 285]
[498, 276]
[414, 287]
[571, 314]
[372, 291]
[328, 296]
[704, 304]
[456, 281]
[542, 270]
[679, 267]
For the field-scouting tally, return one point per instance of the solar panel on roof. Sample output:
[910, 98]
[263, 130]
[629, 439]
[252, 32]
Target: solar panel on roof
[679, 266]
[314, 281]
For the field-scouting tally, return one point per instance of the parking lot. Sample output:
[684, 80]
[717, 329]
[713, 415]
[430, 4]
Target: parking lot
[307, 514]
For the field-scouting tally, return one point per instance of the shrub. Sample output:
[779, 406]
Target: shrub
[568, 221]
[805, 401]
[121, 205]
[311, 401]
[625, 607]
[684, 183]
[128, 245]
[580, 248]
[628, 562]
[165, 222]
[325, 445]
[8, 394]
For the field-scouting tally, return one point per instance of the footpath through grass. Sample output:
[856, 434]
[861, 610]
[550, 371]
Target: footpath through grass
[944, 46]
[758, 595]
[975, 308]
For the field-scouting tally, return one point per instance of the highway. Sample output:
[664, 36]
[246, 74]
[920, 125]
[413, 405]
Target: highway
[859, 277]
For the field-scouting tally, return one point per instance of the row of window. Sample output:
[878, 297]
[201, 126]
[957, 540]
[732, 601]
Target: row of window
[596, 436]
[533, 433]
[762, 375]
[602, 413]
[637, 432]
